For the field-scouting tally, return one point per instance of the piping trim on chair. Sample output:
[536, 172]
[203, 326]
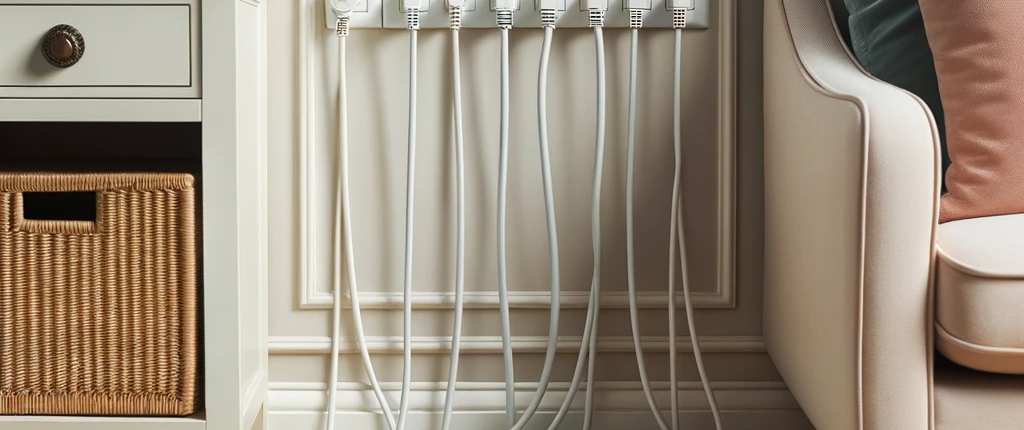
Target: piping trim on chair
[992, 359]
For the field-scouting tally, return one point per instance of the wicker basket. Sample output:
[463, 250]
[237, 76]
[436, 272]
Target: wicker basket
[99, 317]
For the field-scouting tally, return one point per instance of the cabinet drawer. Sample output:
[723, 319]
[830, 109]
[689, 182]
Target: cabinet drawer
[129, 50]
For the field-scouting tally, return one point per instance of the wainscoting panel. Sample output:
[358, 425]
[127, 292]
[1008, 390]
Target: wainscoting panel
[723, 212]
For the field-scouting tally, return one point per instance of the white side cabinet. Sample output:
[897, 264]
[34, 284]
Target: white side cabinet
[199, 62]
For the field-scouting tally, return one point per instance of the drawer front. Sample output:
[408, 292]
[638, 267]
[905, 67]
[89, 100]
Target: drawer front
[130, 50]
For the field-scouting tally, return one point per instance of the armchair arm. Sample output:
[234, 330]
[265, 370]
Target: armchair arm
[851, 198]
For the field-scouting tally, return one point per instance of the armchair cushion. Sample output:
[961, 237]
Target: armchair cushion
[980, 293]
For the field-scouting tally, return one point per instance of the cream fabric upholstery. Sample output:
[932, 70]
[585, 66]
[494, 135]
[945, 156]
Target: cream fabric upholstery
[980, 293]
[851, 192]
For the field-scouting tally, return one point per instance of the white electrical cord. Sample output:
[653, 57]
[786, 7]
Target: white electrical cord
[673, 234]
[597, 22]
[332, 385]
[504, 20]
[634, 319]
[343, 221]
[413, 24]
[552, 229]
[679, 22]
[455, 22]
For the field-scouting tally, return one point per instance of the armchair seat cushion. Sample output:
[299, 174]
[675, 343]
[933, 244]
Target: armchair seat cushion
[980, 293]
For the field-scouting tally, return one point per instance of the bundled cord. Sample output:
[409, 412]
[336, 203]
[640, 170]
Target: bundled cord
[455, 22]
[412, 16]
[676, 230]
[504, 11]
[635, 22]
[343, 221]
[588, 345]
[548, 13]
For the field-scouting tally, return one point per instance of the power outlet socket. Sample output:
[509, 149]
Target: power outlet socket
[478, 14]
[435, 16]
[366, 13]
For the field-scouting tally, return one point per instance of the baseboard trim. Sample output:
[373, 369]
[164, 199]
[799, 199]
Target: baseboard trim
[619, 405]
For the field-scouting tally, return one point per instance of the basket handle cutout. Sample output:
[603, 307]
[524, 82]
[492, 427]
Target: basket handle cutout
[59, 206]
[60, 212]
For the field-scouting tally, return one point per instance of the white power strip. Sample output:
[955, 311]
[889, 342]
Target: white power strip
[477, 14]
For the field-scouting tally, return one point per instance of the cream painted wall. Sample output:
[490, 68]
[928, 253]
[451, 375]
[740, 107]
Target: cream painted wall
[747, 381]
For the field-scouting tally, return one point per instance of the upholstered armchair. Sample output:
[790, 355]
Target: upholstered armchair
[877, 316]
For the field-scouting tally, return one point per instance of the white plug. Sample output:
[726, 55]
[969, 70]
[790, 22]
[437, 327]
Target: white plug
[455, 8]
[593, 5]
[679, 4]
[414, 5]
[637, 4]
[342, 11]
[595, 11]
[342, 8]
[504, 12]
[412, 10]
[558, 5]
[549, 12]
[497, 5]
[636, 10]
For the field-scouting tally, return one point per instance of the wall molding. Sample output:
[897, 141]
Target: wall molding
[727, 183]
[517, 300]
[766, 405]
[308, 233]
[488, 396]
[313, 295]
[321, 345]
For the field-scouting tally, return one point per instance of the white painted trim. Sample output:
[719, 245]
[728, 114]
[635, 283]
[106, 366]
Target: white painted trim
[490, 396]
[102, 110]
[313, 296]
[517, 300]
[727, 183]
[317, 345]
[254, 398]
[230, 57]
[308, 233]
[782, 419]
[618, 405]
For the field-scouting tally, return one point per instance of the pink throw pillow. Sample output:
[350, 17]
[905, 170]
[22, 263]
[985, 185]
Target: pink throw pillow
[978, 47]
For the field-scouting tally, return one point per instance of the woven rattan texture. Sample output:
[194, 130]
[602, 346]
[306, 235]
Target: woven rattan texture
[99, 318]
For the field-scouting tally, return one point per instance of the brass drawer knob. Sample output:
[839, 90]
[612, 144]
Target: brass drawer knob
[63, 46]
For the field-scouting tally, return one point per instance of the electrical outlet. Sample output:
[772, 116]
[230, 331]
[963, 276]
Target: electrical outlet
[698, 15]
[658, 15]
[365, 14]
[478, 14]
[435, 16]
